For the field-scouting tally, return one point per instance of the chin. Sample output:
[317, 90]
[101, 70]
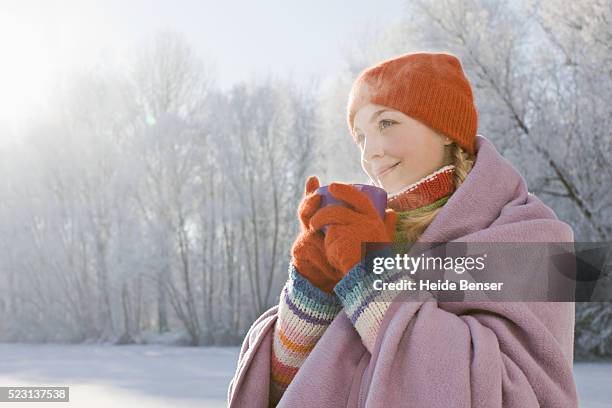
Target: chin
[395, 186]
[390, 188]
[395, 182]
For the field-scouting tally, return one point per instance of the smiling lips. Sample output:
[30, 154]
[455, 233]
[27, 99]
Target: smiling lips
[386, 170]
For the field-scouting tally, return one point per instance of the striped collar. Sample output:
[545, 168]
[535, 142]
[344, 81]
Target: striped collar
[424, 192]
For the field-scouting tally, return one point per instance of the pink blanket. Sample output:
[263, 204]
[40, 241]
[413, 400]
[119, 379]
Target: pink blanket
[441, 354]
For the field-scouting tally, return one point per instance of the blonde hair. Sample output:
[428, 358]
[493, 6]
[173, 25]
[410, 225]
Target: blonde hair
[463, 161]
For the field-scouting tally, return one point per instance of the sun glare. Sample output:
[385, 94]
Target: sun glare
[24, 70]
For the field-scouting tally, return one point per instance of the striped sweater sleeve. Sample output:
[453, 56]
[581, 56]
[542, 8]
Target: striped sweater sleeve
[364, 305]
[304, 313]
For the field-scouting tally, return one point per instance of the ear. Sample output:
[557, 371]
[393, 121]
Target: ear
[447, 140]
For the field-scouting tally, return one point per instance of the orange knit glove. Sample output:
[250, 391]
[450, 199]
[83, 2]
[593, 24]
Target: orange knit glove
[348, 228]
[308, 250]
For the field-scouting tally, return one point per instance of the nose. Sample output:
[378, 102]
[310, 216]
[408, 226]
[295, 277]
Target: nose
[372, 148]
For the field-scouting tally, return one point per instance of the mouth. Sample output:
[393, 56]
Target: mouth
[387, 170]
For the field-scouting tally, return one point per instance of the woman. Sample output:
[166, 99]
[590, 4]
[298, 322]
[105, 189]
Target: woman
[333, 342]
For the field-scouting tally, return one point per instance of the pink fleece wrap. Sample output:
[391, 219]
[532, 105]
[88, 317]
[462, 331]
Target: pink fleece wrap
[431, 354]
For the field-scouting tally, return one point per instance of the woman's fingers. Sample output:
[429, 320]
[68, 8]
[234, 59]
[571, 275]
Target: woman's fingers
[308, 256]
[320, 261]
[390, 221]
[335, 215]
[350, 195]
[310, 203]
[311, 185]
[308, 207]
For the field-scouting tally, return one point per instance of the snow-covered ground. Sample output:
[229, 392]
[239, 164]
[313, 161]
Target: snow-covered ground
[594, 382]
[164, 376]
[122, 376]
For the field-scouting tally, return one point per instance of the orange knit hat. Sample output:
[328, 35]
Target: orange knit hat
[429, 87]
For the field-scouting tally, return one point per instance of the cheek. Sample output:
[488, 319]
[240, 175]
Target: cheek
[402, 149]
[418, 148]
[366, 167]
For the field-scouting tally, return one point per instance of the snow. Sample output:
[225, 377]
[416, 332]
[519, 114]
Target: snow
[594, 382]
[155, 376]
[122, 376]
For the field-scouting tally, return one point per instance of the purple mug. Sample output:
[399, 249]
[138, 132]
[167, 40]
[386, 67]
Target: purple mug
[377, 196]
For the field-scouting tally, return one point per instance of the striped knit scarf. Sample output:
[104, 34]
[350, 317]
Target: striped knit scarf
[430, 192]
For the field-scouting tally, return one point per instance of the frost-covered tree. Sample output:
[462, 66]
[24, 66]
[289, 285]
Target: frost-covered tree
[149, 204]
[541, 74]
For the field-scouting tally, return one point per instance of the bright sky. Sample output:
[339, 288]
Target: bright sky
[40, 40]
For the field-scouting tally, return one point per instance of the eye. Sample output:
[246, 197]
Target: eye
[388, 121]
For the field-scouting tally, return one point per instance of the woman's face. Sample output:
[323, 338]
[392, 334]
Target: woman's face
[396, 150]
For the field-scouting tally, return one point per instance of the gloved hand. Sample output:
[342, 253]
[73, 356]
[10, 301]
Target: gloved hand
[348, 228]
[308, 250]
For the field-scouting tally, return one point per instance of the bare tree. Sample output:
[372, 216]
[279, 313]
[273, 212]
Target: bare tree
[149, 201]
[542, 79]
[170, 85]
